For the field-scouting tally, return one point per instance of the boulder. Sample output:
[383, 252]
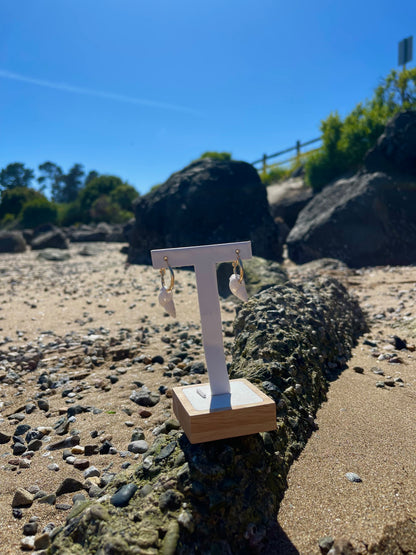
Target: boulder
[366, 220]
[395, 151]
[210, 201]
[223, 496]
[288, 198]
[54, 239]
[12, 241]
[89, 234]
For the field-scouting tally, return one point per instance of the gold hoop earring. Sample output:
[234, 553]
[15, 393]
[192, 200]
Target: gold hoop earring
[237, 285]
[165, 295]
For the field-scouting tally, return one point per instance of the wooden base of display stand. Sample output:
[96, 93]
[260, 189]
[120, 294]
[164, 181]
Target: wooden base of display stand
[205, 417]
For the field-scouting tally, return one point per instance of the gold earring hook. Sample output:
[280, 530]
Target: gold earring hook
[172, 275]
[238, 264]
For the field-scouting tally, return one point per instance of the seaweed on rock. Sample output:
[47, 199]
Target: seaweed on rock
[223, 496]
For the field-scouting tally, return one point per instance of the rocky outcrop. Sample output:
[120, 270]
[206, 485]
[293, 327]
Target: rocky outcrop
[223, 496]
[109, 233]
[395, 151]
[12, 241]
[210, 201]
[365, 220]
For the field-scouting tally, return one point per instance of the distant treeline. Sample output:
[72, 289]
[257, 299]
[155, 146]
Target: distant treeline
[75, 197]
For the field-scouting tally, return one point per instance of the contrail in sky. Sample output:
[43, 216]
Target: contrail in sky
[100, 94]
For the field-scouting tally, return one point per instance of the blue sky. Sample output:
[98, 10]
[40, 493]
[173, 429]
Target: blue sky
[140, 88]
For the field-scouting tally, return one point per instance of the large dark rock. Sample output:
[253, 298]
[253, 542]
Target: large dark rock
[363, 221]
[223, 496]
[12, 241]
[54, 239]
[287, 199]
[395, 151]
[210, 201]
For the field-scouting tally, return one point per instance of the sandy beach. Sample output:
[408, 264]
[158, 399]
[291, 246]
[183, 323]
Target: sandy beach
[100, 334]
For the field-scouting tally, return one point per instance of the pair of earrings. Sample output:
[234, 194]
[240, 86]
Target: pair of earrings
[236, 284]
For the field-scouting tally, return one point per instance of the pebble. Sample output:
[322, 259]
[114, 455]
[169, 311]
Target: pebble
[140, 446]
[352, 477]
[379, 384]
[358, 369]
[22, 498]
[48, 499]
[42, 541]
[81, 464]
[91, 471]
[53, 466]
[30, 528]
[4, 438]
[27, 543]
[69, 485]
[122, 496]
[43, 404]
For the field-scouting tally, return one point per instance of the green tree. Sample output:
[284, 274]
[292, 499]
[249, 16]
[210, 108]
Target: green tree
[115, 195]
[91, 175]
[15, 175]
[51, 178]
[72, 184]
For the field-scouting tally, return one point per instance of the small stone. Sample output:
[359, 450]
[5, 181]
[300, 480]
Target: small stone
[352, 477]
[25, 463]
[43, 404]
[21, 429]
[77, 450]
[129, 423]
[69, 485]
[43, 541]
[166, 451]
[63, 506]
[27, 543]
[81, 464]
[325, 544]
[123, 495]
[399, 344]
[17, 513]
[30, 528]
[22, 498]
[48, 499]
[53, 466]
[4, 438]
[358, 369]
[91, 471]
[35, 445]
[379, 384]
[140, 446]
[18, 449]
[90, 450]
[145, 413]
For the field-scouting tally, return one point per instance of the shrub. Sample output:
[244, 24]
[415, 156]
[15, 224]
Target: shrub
[274, 175]
[216, 155]
[38, 211]
[345, 143]
[13, 200]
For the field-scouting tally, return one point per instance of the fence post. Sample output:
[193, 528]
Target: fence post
[264, 162]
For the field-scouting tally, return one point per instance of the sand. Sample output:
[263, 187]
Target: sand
[362, 428]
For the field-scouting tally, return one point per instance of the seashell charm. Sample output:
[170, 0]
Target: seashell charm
[238, 288]
[166, 300]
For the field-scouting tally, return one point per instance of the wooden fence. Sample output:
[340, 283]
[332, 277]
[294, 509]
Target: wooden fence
[297, 147]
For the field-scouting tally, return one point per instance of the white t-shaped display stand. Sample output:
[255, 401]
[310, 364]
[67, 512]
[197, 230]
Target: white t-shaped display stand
[192, 404]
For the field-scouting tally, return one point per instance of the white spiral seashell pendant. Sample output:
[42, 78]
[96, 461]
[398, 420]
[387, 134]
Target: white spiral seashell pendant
[238, 288]
[166, 300]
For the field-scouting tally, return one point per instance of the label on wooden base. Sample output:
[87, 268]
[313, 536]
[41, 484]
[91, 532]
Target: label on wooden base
[205, 417]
